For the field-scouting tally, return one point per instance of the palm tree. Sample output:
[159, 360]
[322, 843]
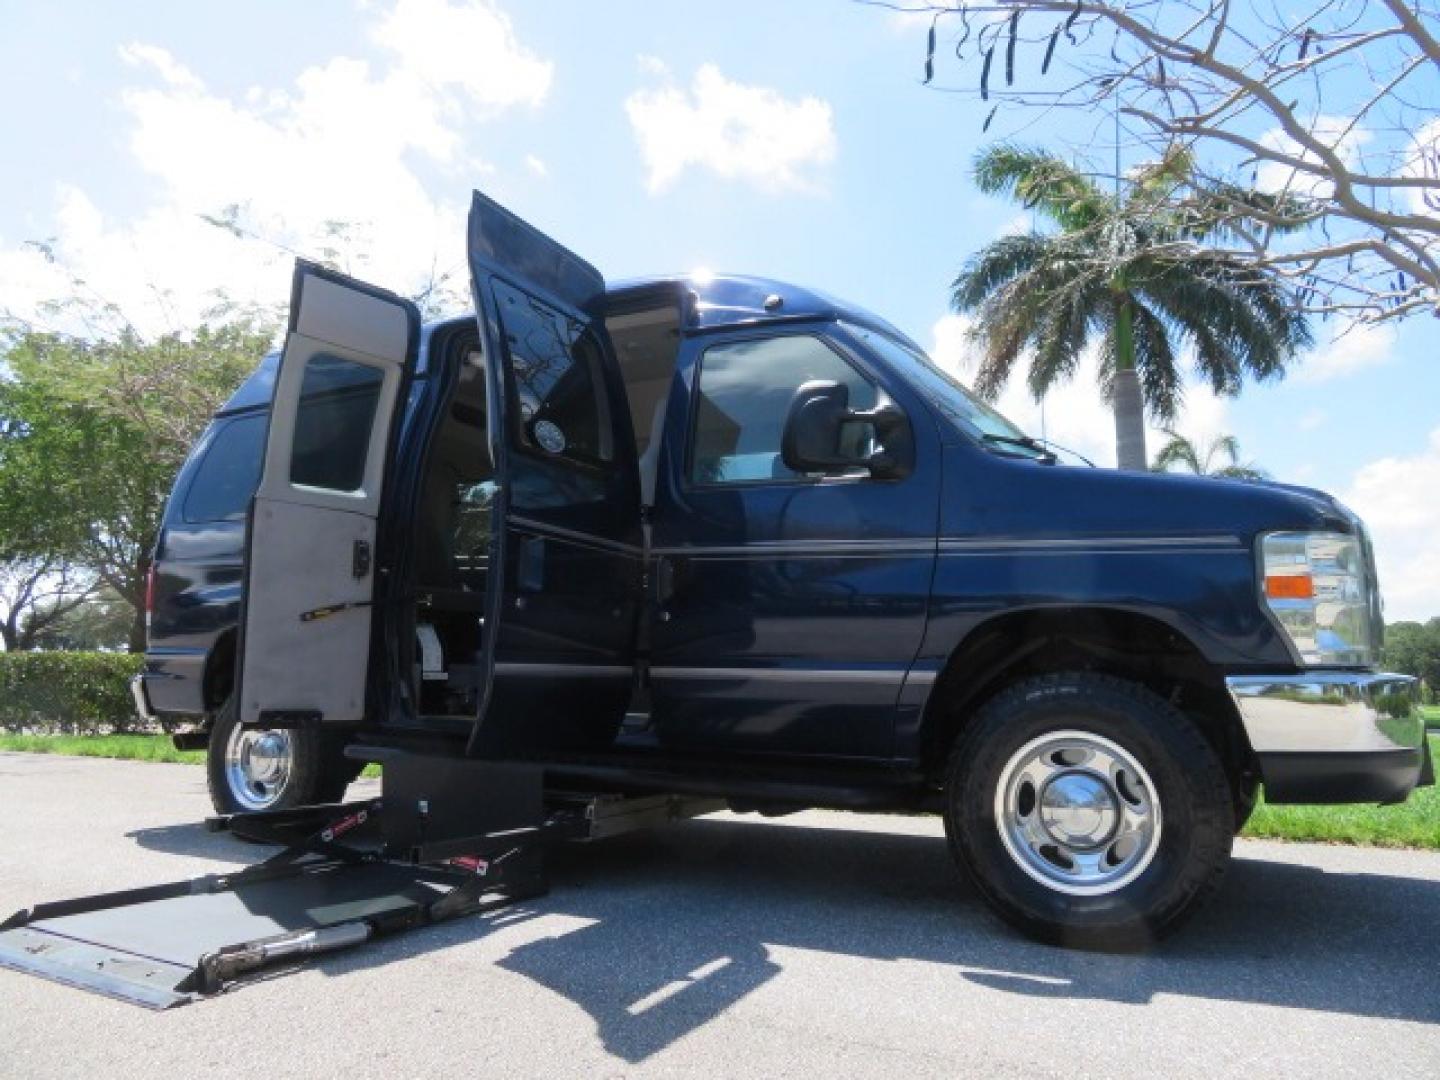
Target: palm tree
[1186, 454]
[1137, 270]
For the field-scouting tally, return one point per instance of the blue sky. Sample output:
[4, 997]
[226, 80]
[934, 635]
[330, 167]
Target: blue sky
[791, 140]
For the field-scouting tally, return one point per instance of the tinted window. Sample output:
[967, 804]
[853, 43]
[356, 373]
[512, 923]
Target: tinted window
[745, 392]
[338, 399]
[562, 410]
[946, 392]
[228, 472]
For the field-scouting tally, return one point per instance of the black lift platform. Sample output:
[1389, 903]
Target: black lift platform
[446, 838]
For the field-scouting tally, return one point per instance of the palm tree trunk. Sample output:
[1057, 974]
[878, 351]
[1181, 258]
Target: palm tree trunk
[1129, 403]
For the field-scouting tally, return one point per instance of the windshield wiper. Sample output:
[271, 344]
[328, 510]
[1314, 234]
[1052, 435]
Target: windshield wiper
[1023, 441]
[1052, 445]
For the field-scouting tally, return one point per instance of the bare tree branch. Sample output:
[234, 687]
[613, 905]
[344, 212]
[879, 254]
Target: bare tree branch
[37, 593]
[1328, 103]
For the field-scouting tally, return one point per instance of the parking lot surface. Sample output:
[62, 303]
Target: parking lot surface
[817, 944]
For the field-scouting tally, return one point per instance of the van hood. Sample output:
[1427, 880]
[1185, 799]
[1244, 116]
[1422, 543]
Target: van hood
[1030, 499]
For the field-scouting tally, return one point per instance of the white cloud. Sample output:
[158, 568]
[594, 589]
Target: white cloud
[1074, 415]
[536, 166]
[469, 46]
[737, 131]
[1396, 497]
[1424, 160]
[1353, 349]
[1019, 225]
[1335, 132]
[906, 21]
[1313, 419]
[350, 140]
[173, 72]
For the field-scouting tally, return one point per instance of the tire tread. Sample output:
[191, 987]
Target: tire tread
[1214, 812]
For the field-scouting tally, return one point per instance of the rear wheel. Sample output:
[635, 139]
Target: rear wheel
[1088, 811]
[251, 768]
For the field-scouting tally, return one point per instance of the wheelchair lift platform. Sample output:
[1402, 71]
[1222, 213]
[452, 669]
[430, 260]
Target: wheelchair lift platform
[447, 837]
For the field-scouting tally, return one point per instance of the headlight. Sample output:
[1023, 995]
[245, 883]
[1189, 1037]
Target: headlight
[1315, 585]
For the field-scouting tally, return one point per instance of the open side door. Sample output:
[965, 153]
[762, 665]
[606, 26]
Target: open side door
[565, 558]
[310, 549]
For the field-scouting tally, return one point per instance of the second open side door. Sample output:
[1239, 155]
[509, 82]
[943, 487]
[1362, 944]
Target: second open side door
[565, 560]
[310, 549]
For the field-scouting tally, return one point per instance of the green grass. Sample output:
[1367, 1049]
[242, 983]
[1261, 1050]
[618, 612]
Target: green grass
[1432, 715]
[125, 747]
[1413, 823]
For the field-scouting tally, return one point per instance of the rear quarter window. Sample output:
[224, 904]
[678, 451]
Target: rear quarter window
[228, 472]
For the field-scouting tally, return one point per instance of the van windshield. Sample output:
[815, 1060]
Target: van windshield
[950, 397]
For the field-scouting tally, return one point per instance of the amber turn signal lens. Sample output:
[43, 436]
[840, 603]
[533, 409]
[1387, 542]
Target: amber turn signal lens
[1290, 587]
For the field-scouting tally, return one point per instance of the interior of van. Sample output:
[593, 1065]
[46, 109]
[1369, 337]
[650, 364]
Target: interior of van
[646, 346]
[453, 520]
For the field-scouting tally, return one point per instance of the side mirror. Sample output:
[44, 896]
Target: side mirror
[820, 427]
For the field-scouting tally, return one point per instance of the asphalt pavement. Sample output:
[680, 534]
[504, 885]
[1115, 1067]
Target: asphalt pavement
[821, 944]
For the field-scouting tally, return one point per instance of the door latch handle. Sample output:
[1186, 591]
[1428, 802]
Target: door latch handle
[360, 558]
[315, 614]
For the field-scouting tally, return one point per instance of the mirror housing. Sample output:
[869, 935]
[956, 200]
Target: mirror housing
[815, 425]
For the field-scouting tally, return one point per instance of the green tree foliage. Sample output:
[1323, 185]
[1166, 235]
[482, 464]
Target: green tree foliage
[1221, 457]
[1122, 269]
[92, 433]
[1413, 648]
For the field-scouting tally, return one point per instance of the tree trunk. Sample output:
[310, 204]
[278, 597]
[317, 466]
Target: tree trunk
[1129, 422]
[137, 631]
[1129, 402]
[138, 594]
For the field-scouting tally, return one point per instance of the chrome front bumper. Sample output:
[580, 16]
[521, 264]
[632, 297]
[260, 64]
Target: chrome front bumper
[1334, 736]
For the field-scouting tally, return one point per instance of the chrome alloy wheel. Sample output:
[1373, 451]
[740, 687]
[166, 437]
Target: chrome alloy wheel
[258, 763]
[1077, 813]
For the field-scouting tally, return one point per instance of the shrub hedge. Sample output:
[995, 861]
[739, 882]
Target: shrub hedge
[72, 693]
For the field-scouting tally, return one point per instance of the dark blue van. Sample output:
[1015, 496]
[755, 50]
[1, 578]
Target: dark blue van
[735, 537]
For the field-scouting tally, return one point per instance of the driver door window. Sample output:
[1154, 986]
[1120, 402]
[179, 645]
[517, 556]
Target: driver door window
[744, 394]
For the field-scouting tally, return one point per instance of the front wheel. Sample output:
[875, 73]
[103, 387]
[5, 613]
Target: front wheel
[1088, 811]
[250, 768]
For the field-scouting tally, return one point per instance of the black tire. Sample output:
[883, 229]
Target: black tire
[1194, 819]
[318, 773]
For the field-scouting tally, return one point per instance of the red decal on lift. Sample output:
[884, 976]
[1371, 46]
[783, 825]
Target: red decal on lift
[344, 825]
[477, 866]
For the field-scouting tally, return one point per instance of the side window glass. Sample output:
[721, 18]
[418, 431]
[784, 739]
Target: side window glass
[229, 471]
[744, 395]
[338, 399]
[562, 408]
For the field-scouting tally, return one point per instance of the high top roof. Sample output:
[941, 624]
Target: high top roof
[717, 300]
[735, 299]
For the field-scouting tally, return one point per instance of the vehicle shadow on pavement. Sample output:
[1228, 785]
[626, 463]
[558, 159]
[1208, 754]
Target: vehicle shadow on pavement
[194, 841]
[680, 924]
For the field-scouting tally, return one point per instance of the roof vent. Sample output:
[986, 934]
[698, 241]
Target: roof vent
[773, 302]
